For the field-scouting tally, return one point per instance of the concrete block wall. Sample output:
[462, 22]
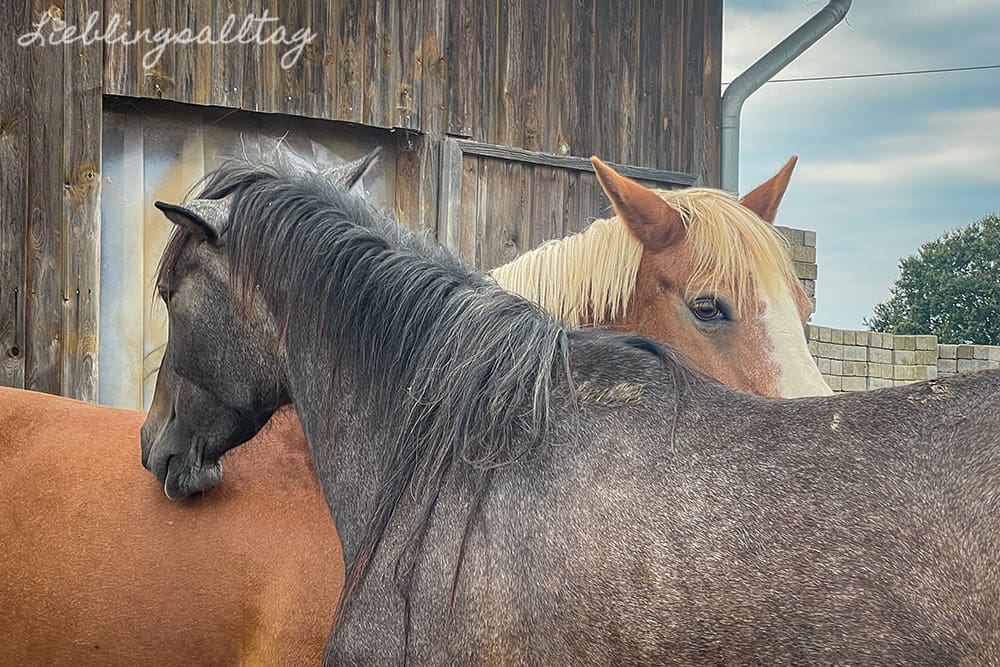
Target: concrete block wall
[863, 360]
[954, 359]
[802, 246]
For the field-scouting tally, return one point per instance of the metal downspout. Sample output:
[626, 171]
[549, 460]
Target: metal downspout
[759, 73]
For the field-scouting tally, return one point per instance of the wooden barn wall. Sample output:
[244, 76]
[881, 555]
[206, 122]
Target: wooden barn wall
[498, 203]
[50, 157]
[634, 81]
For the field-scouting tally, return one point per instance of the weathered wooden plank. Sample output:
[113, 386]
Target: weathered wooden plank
[372, 106]
[571, 162]
[468, 230]
[548, 188]
[393, 62]
[319, 88]
[465, 68]
[228, 60]
[81, 162]
[350, 61]
[573, 220]
[122, 71]
[629, 82]
[509, 23]
[670, 153]
[477, 218]
[648, 117]
[694, 58]
[531, 95]
[610, 95]
[562, 112]
[193, 70]
[43, 367]
[503, 216]
[159, 78]
[450, 195]
[259, 91]
[491, 37]
[707, 124]
[417, 170]
[433, 77]
[411, 51]
[13, 191]
[290, 80]
[582, 72]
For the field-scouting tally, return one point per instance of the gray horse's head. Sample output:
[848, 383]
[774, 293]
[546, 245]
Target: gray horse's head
[221, 377]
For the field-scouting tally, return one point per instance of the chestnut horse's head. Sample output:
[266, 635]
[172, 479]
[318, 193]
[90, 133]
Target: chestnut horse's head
[715, 279]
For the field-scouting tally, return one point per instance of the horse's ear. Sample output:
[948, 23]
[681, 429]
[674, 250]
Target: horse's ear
[349, 174]
[647, 216]
[190, 217]
[765, 198]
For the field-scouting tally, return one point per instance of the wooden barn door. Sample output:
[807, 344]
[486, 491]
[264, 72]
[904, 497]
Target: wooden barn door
[497, 202]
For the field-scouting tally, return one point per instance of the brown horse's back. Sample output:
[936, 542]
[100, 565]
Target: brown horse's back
[97, 566]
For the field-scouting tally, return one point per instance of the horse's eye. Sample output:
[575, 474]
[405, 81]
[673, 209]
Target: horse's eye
[166, 294]
[707, 309]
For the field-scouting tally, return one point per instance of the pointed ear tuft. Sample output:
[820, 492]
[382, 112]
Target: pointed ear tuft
[190, 218]
[765, 198]
[647, 216]
[349, 174]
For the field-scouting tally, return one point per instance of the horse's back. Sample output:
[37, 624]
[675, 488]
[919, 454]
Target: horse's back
[855, 529]
[97, 566]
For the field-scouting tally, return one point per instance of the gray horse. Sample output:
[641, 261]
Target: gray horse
[510, 492]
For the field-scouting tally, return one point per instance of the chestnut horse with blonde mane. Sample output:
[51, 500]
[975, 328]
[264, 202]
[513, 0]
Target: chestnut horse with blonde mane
[99, 568]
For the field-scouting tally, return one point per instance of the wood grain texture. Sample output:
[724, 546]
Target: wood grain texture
[465, 65]
[13, 192]
[633, 81]
[572, 162]
[538, 86]
[228, 60]
[192, 72]
[43, 367]
[159, 79]
[350, 61]
[82, 113]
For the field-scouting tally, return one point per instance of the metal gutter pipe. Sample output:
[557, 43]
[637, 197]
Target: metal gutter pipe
[759, 73]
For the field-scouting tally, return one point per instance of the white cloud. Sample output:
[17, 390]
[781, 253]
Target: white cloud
[957, 144]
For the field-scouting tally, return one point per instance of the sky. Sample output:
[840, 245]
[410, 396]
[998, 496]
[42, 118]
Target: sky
[885, 164]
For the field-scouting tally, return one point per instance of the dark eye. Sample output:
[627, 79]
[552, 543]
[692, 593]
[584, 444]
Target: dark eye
[166, 294]
[707, 309]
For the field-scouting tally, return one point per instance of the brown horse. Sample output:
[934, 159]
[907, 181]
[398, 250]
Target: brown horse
[98, 568]
[259, 557]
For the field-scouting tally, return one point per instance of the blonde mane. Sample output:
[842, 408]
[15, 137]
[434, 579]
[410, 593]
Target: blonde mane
[591, 275]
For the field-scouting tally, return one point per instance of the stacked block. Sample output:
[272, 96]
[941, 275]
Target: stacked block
[960, 358]
[802, 247]
[864, 360]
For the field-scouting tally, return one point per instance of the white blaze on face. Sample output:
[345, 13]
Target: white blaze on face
[797, 371]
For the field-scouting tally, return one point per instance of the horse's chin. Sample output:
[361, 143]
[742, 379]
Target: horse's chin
[183, 480]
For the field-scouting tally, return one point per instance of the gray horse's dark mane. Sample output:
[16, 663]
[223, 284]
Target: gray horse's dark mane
[463, 371]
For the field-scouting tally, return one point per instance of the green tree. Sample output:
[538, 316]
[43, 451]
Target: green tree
[951, 288]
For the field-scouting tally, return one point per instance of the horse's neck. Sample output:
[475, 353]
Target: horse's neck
[342, 443]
